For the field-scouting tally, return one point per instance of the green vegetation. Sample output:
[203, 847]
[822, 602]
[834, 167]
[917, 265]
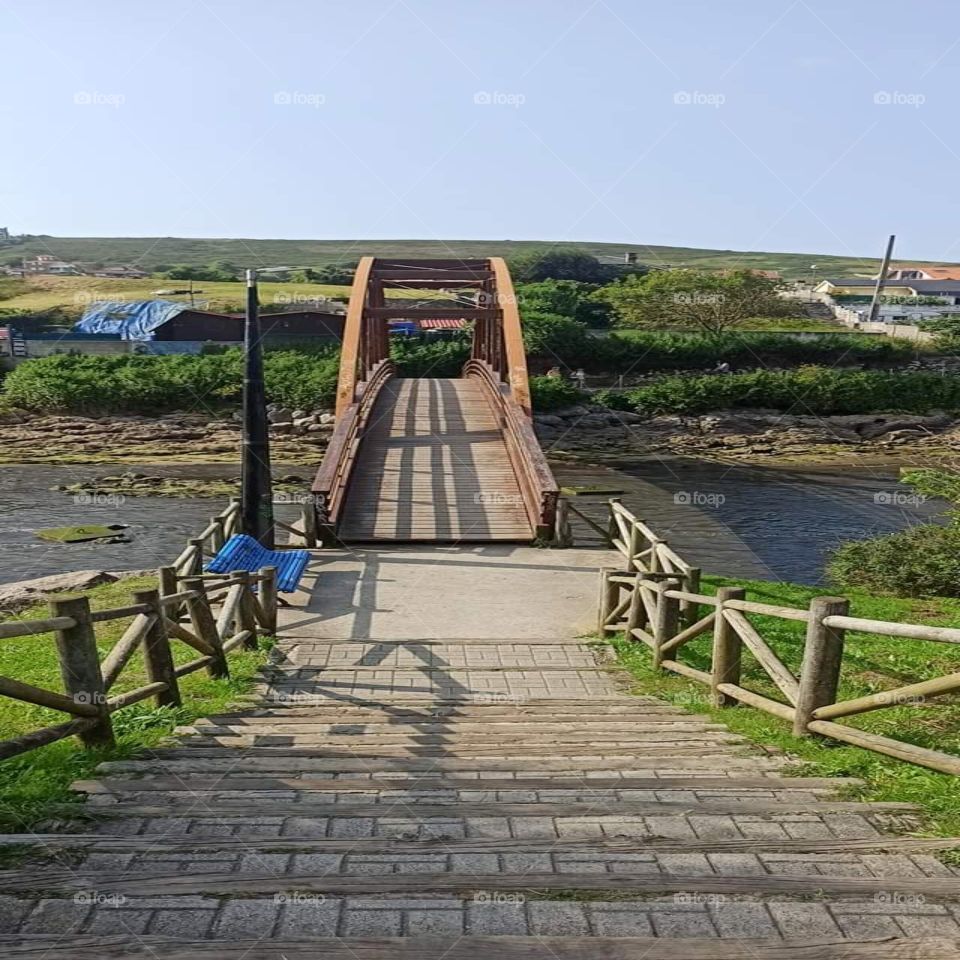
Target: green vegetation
[142, 384]
[921, 561]
[710, 303]
[151, 252]
[30, 782]
[870, 664]
[552, 393]
[572, 265]
[807, 391]
[419, 357]
[565, 298]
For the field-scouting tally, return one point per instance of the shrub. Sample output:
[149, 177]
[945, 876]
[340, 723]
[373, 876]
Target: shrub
[807, 391]
[552, 393]
[416, 357]
[921, 561]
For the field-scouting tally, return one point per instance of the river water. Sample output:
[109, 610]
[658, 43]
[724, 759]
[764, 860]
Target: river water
[762, 522]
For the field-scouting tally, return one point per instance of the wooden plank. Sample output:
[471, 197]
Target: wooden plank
[250, 841]
[158, 883]
[148, 947]
[432, 782]
[456, 809]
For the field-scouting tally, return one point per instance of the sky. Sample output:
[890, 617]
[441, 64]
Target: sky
[789, 125]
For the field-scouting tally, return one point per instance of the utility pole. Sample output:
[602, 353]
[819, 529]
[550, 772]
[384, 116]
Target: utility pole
[881, 280]
[256, 494]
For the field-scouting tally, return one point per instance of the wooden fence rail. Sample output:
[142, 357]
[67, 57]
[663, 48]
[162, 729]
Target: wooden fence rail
[212, 614]
[656, 600]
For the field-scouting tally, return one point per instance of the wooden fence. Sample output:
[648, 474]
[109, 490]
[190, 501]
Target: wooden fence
[211, 613]
[655, 599]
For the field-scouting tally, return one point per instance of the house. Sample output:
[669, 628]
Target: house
[922, 273]
[45, 263]
[862, 288]
[166, 321]
[122, 273]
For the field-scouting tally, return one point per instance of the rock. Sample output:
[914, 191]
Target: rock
[23, 593]
[302, 423]
[280, 415]
[547, 420]
[281, 428]
[299, 415]
[326, 418]
[320, 428]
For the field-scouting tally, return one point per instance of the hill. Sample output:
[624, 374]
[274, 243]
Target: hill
[152, 252]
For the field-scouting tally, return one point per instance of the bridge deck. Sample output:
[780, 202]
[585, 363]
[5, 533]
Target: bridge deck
[433, 466]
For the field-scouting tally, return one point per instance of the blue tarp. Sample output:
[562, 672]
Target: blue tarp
[135, 320]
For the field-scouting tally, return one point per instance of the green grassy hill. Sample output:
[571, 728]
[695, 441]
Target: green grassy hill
[149, 252]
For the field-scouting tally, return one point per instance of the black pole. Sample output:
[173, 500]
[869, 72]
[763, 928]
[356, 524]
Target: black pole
[881, 280]
[256, 494]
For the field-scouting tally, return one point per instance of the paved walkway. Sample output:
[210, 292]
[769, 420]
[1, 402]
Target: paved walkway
[436, 767]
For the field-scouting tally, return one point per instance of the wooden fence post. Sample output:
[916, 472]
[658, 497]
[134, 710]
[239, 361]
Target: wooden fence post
[667, 620]
[157, 653]
[608, 598]
[637, 613]
[690, 611]
[80, 667]
[612, 528]
[633, 547]
[205, 626]
[268, 598]
[308, 515]
[727, 648]
[247, 614]
[167, 580]
[564, 532]
[197, 566]
[822, 658]
[218, 536]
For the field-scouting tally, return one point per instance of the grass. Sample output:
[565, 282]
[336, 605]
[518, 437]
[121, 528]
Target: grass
[147, 252]
[870, 664]
[30, 783]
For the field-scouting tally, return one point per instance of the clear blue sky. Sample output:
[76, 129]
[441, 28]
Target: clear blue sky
[144, 119]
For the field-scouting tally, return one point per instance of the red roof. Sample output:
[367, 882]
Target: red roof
[442, 323]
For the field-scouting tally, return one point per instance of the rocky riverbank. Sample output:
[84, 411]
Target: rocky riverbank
[299, 437]
[747, 436]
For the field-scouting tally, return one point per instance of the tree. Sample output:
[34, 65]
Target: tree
[695, 299]
[561, 265]
[566, 298]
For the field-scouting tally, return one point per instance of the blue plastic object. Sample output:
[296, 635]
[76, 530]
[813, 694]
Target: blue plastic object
[131, 320]
[241, 552]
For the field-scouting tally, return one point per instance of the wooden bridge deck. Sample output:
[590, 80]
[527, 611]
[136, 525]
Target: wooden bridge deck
[433, 466]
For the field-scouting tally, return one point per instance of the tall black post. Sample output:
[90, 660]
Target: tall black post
[256, 493]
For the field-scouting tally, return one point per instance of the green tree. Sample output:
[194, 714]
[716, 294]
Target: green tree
[562, 265]
[565, 298]
[695, 300]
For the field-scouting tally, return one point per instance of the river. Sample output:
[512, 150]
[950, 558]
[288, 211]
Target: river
[741, 521]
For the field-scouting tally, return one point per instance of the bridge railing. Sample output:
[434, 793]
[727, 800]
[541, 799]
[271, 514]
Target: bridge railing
[212, 614]
[656, 601]
[538, 487]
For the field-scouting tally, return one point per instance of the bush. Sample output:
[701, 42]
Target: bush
[921, 561]
[146, 384]
[807, 391]
[552, 393]
[419, 357]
